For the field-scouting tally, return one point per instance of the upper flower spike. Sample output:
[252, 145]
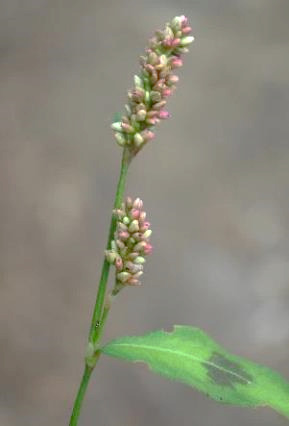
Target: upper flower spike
[155, 82]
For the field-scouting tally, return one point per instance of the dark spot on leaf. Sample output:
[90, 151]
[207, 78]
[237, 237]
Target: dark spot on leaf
[224, 372]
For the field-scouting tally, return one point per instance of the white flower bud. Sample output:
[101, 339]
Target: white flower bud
[138, 81]
[176, 22]
[147, 233]
[117, 126]
[120, 139]
[187, 40]
[138, 139]
[141, 115]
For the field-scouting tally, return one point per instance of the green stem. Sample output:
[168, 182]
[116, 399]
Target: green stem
[105, 313]
[80, 395]
[100, 311]
[97, 313]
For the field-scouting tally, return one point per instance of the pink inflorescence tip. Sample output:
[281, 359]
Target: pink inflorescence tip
[147, 99]
[130, 244]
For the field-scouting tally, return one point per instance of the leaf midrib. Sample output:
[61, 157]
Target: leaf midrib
[185, 355]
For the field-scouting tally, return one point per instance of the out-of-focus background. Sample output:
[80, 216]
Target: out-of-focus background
[215, 183]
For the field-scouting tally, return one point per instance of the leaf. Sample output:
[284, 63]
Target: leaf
[189, 356]
[117, 116]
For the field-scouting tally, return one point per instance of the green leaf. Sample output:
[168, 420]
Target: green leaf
[117, 116]
[189, 356]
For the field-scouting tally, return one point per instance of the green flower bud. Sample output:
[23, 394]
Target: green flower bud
[140, 260]
[110, 256]
[126, 220]
[134, 226]
[147, 96]
[123, 276]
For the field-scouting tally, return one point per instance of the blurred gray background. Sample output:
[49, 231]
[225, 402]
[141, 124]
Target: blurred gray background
[215, 182]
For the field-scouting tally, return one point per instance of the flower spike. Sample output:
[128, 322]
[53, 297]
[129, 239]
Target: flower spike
[153, 85]
[131, 243]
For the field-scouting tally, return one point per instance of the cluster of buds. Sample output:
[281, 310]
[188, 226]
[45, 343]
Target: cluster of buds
[130, 244]
[147, 100]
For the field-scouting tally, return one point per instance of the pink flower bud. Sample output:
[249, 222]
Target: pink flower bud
[148, 249]
[173, 79]
[159, 84]
[152, 121]
[148, 135]
[167, 42]
[176, 62]
[164, 114]
[166, 92]
[186, 30]
[123, 235]
[135, 213]
[127, 128]
[150, 68]
[145, 226]
[175, 42]
[119, 263]
[183, 20]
